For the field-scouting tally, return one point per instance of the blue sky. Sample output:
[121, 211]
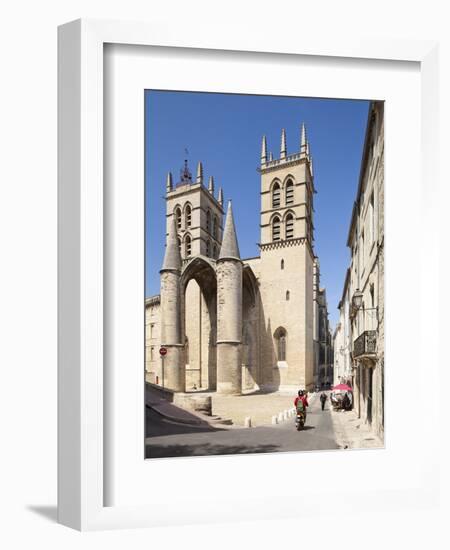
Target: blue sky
[224, 131]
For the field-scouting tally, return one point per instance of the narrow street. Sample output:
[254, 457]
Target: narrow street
[170, 439]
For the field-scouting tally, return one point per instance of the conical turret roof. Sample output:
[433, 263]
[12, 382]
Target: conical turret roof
[172, 257]
[230, 247]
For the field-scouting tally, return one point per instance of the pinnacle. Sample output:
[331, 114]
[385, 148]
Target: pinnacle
[169, 182]
[230, 247]
[200, 172]
[283, 149]
[172, 258]
[263, 150]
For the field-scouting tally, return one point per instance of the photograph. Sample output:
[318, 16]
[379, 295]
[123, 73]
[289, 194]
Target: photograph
[264, 274]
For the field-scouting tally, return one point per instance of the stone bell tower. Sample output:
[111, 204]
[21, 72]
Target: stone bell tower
[286, 280]
[198, 213]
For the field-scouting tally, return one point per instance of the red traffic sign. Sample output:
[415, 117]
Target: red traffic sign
[163, 351]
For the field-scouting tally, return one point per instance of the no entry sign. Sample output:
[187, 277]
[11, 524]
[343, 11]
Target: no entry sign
[163, 351]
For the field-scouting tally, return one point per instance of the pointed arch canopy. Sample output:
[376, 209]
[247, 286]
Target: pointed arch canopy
[203, 271]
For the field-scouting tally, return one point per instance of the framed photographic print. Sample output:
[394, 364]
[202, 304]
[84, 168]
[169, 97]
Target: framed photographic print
[232, 251]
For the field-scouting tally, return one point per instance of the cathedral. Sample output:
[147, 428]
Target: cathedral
[230, 324]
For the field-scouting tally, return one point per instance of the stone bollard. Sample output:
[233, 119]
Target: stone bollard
[248, 422]
[285, 415]
[274, 420]
[280, 417]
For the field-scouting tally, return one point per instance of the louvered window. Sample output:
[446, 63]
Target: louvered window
[276, 196]
[276, 229]
[188, 246]
[188, 216]
[289, 226]
[289, 193]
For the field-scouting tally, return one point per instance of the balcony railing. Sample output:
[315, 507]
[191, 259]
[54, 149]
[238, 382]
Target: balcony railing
[365, 344]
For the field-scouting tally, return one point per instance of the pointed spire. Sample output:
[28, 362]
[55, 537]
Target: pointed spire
[169, 182]
[185, 174]
[283, 150]
[172, 257]
[220, 198]
[307, 148]
[270, 156]
[211, 185]
[311, 167]
[303, 139]
[199, 172]
[230, 247]
[264, 150]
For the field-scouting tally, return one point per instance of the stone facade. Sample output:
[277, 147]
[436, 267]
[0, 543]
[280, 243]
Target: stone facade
[323, 346]
[359, 340]
[233, 324]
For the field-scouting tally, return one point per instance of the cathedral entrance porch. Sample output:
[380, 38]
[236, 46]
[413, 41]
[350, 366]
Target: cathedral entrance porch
[199, 323]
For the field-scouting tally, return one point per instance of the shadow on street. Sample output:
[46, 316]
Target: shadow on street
[156, 425]
[166, 451]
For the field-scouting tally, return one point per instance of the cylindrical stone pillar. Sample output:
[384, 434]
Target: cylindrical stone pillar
[229, 325]
[173, 375]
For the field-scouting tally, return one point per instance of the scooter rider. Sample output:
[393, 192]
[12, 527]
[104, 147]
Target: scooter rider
[304, 400]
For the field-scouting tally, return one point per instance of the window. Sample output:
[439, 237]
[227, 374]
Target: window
[207, 248]
[281, 338]
[215, 252]
[152, 353]
[152, 328]
[208, 221]
[276, 196]
[187, 244]
[188, 214]
[276, 228]
[361, 252]
[186, 351]
[282, 264]
[372, 218]
[215, 227]
[289, 226]
[288, 295]
[289, 192]
[178, 217]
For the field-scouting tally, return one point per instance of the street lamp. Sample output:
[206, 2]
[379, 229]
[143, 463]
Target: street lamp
[357, 299]
[357, 303]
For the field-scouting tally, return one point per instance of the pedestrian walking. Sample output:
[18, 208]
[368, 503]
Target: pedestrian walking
[346, 402]
[323, 398]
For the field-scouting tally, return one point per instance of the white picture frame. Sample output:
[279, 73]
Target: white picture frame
[83, 483]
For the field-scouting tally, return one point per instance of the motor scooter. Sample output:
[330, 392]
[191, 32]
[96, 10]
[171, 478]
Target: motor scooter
[300, 420]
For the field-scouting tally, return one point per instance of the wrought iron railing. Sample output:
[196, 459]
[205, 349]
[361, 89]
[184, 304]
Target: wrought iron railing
[365, 344]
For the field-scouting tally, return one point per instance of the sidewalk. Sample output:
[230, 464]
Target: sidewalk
[352, 433]
[260, 407]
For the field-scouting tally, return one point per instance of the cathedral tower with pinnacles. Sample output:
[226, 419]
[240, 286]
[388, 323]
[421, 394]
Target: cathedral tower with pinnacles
[230, 324]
